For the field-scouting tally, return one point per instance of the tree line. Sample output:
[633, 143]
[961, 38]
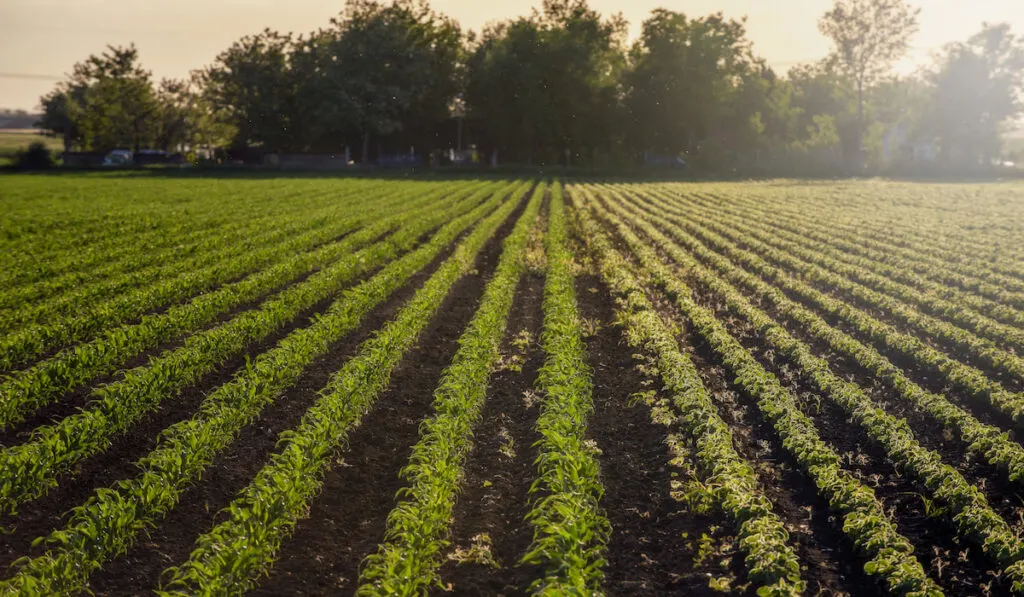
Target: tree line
[563, 86]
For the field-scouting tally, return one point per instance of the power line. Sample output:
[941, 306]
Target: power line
[30, 77]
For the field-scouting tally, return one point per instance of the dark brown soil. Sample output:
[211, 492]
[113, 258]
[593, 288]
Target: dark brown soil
[78, 398]
[1005, 497]
[930, 379]
[658, 546]
[201, 506]
[117, 462]
[495, 490]
[957, 568]
[950, 348]
[932, 537]
[654, 541]
[832, 566]
[39, 517]
[347, 521]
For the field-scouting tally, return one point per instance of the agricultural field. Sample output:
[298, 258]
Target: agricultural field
[371, 386]
[14, 140]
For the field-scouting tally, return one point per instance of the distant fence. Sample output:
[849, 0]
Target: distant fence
[286, 161]
[94, 159]
[82, 159]
[306, 162]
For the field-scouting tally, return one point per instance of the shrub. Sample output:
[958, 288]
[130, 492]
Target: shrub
[36, 157]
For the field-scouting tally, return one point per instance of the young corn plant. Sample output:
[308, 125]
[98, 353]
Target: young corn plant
[109, 522]
[29, 469]
[772, 564]
[417, 528]
[890, 555]
[229, 559]
[570, 530]
[969, 510]
[29, 390]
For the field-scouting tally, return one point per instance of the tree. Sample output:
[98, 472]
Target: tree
[547, 86]
[57, 119]
[695, 80]
[869, 36]
[107, 102]
[506, 98]
[382, 70]
[826, 105]
[185, 119]
[977, 90]
[250, 87]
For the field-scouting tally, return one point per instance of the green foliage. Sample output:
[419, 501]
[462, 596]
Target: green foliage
[35, 387]
[871, 530]
[570, 529]
[249, 87]
[560, 87]
[686, 80]
[408, 560]
[978, 86]
[729, 479]
[541, 86]
[868, 36]
[109, 522]
[229, 558]
[36, 156]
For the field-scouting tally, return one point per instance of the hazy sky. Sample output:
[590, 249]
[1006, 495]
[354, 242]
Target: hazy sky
[44, 38]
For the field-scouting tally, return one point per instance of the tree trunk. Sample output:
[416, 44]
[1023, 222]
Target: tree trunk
[366, 148]
[859, 158]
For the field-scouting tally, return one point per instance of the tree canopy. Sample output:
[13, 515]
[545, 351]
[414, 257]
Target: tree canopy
[562, 86]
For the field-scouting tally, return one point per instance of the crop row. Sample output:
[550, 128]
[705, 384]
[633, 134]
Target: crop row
[28, 390]
[570, 529]
[995, 447]
[967, 506]
[28, 469]
[21, 347]
[978, 273]
[986, 441]
[417, 528]
[228, 559]
[109, 522]
[126, 258]
[890, 554]
[48, 224]
[771, 563]
[960, 269]
[28, 265]
[964, 310]
[994, 318]
[965, 377]
[827, 273]
[935, 225]
[52, 299]
[960, 240]
[39, 248]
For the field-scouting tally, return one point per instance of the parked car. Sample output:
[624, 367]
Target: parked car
[119, 157]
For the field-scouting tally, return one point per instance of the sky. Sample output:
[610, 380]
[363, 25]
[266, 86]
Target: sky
[40, 40]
